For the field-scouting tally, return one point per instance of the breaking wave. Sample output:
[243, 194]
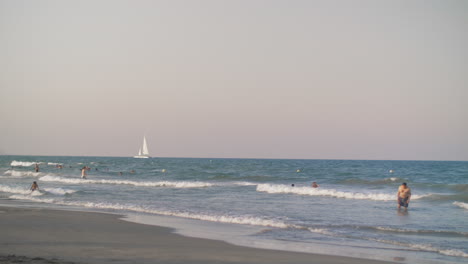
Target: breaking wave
[174, 184]
[276, 188]
[27, 191]
[461, 205]
[424, 247]
[23, 163]
[243, 220]
[59, 191]
[15, 173]
[17, 190]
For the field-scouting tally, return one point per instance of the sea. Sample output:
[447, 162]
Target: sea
[265, 203]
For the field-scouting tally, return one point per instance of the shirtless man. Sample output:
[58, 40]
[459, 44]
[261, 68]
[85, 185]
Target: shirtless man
[403, 195]
[83, 173]
[34, 187]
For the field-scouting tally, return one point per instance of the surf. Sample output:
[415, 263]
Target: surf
[286, 189]
[173, 184]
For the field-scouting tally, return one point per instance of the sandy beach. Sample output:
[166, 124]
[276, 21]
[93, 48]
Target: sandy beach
[37, 235]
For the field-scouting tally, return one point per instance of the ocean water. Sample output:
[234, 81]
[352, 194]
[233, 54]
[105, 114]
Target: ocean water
[253, 202]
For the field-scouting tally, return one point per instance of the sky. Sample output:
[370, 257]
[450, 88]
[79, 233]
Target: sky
[385, 80]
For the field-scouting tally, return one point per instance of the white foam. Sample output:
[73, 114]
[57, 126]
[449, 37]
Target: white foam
[320, 231]
[402, 230]
[447, 252]
[23, 163]
[424, 247]
[174, 184]
[243, 220]
[14, 173]
[240, 183]
[461, 205]
[59, 191]
[32, 198]
[278, 188]
[17, 190]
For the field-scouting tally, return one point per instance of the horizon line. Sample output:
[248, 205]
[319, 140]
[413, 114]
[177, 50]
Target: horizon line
[350, 159]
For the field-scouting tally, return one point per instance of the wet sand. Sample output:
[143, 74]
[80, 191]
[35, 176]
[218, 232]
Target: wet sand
[37, 235]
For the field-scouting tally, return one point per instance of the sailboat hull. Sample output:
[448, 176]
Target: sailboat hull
[141, 157]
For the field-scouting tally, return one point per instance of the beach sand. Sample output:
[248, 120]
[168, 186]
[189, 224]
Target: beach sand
[37, 235]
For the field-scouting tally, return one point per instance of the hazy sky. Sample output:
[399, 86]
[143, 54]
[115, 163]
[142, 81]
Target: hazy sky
[243, 79]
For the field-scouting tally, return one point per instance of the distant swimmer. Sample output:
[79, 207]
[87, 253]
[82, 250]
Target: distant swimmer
[34, 187]
[83, 172]
[403, 195]
[36, 168]
[315, 185]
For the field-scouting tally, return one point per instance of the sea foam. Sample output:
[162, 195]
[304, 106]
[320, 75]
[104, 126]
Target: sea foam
[15, 173]
[461, 205]
[173, 184]
[244, 220]
[23, 163]
[278, 188]
[16, 190]
[59, 191]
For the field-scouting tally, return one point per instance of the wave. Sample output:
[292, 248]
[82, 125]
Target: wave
[23, 163]
[447, 197]
[275, 188]
[244, 220]
[462, 205]
[460, 187]
[371, 182]
[424, 247]
[230, 219]
[321, 231]
[25, 191]
[174, 184]
[15, 173]
[59, 191]
[17, 190]
[419, 232]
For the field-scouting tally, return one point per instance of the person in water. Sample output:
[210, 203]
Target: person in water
[403, 195]
[34, 187]
[36, 168]
[83, 172]
[315, 185]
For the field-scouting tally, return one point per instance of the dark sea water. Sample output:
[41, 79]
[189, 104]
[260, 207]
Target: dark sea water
[252, 201]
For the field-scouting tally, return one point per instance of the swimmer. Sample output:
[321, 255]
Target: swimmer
[83, 172]
[34, 187]
[403, 195]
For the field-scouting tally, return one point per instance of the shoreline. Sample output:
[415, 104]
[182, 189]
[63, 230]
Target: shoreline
[41, 235]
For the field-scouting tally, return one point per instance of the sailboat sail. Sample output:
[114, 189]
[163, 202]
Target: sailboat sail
[145, 147]
[143, 152]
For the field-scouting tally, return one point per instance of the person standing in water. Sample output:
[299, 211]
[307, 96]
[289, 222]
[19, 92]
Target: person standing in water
[36, 168]
[34, 187]
[403, 195]
[83, 172]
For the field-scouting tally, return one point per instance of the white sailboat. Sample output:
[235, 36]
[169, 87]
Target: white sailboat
[143, 153]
